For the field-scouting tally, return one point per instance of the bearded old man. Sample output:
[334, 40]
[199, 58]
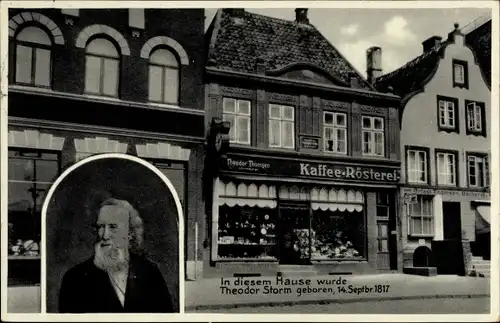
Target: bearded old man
[118, 278]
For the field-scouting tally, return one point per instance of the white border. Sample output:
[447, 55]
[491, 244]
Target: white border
[67, 172]
[495, 147]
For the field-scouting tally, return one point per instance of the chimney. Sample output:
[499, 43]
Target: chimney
[456, 35]
[431, 42]
[235, 12]
[301, 16]
[373, 63]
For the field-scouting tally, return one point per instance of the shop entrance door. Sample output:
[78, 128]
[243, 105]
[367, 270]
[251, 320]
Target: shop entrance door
[294, 233]
[452, 224]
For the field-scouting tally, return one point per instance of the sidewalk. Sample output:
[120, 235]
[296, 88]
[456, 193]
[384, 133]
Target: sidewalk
[207, 294]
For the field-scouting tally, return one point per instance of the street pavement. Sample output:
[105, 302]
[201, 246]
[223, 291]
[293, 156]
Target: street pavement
[207, 293]
[480, 305]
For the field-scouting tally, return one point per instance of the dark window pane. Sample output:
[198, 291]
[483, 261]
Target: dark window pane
[21, 169]
[47, 170]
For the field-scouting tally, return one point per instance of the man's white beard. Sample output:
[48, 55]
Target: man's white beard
[111, 259]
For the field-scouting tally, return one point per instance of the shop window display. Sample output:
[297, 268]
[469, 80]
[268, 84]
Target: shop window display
[246, 233]
[30, 175]
[338, 236]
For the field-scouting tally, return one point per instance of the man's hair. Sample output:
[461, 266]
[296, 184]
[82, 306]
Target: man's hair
[136, 227]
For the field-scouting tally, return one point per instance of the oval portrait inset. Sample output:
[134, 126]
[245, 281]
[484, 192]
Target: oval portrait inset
[112, 238]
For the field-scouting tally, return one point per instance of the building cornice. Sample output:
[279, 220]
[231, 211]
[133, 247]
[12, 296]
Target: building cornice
[212, 71]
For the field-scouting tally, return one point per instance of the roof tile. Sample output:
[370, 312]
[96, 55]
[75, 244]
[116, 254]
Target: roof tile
[241, 41]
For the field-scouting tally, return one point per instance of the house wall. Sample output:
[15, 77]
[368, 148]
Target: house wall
[420, 128]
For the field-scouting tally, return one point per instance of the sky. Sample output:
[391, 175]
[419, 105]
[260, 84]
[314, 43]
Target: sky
[399, 32]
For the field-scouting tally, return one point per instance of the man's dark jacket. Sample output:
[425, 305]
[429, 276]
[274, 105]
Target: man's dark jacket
[87, 289]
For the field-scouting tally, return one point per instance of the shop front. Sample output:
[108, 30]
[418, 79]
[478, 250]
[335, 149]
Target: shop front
[456, 217]
[279, 216]
[38, 156]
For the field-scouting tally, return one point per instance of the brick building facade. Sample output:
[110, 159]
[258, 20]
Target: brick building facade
[85, 82]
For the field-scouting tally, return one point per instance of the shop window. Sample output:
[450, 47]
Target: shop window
[460, 74]
[417, 166]
[30, 175]
[476, 119]
[446, 168]
[421, 217]
[163, 77]
[373, 136]
[33, 57]
[281, 126]
[478, 170]
[338, 235]
[448, 114]
[247, 233]
[102, 62]
[335, 132]
[176, 173]
[237, 112]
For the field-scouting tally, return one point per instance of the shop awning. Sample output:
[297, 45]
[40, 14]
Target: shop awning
[325, 198]
[483, 218]
[247, 195]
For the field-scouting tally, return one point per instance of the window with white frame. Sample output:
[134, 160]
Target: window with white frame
[447, 114]
[478, 170]
[446, 168]
[474, 117]
[33, 57]
[417, 165]
[373, 136]
[163, 77]
[459, 73]
[335, 132]
[281, 126]
[237, 113]
[421, 216]
[102, 62]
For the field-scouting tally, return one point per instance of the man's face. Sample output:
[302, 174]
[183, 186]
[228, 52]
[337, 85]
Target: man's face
[113, 227]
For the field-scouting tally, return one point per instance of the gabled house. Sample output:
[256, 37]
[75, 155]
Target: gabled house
[445, 149]
[308, 180]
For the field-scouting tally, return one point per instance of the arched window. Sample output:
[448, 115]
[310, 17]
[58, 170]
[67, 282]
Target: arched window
[102, 62]
[33, 57]
[163, 77]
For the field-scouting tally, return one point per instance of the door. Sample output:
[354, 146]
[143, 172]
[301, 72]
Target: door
[294, 234]
[383, 253]
[386, 231]
[452, 224]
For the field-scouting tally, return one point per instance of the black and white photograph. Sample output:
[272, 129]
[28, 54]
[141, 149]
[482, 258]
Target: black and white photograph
[111, 240]
[181, 159]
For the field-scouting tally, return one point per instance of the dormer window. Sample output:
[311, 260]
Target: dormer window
[460, 74]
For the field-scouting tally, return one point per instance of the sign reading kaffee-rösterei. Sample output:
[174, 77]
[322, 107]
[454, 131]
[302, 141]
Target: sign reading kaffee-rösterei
[309, 169]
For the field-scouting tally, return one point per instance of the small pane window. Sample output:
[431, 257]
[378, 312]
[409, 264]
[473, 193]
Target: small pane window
[373, 136]
[164, 77]
[237, 113]
[281, 126]
[102, 68]
[33, 57]
[335, 132]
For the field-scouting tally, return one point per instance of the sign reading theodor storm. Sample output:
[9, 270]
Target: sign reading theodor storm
[292, 168]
